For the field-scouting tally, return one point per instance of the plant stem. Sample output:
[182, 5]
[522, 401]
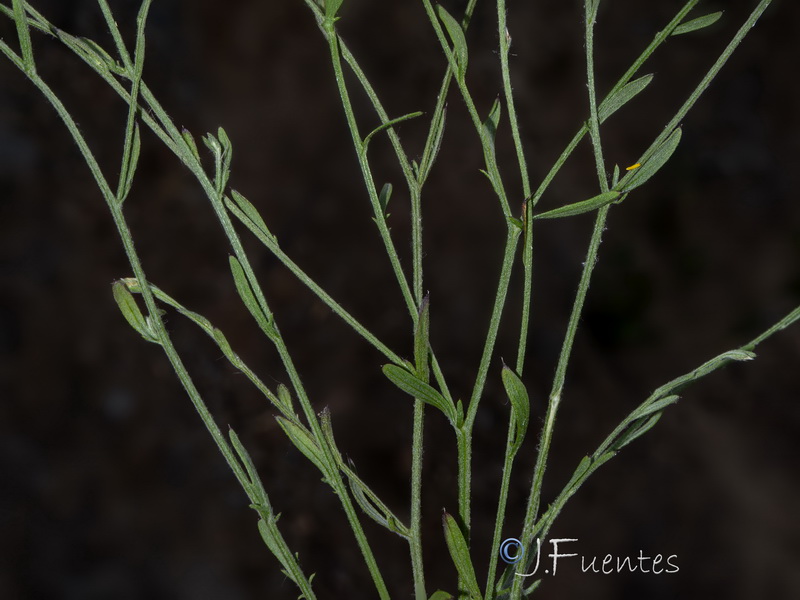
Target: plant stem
[558, 384]
[154, 315]
[591, 7]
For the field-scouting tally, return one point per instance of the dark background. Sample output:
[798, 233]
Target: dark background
[111, 488]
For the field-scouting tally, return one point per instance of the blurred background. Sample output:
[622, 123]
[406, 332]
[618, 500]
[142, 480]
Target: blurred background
[111, 488]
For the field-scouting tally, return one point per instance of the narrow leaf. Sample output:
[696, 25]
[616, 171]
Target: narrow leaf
[384, 196]
[520, 404]
[421, 340]
[285, 397]
[331, 8]
[247, 296]
[651, 165]
[224, 345]
[623, 95]
[224, 166]
[133, 162]
[655, 406]
[457, 36]
[130, 310]
[583, 466]
[373, 507]
[387, 125]
[636, 429]
[459, 552]
[250, 467]
[303, 441]
[615, 177]
[189, 139]
[99, 56]
[24, 35]
[698, 23]
[490, 124]
[432, 147]
[412, 386]
[248, 209]
[580, 207]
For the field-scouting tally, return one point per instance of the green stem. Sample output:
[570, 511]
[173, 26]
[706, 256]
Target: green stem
[154, 314]
[486, 143]
[558, 384]
[366, 172]
[415, 526]
[591, 7]
[502, 502]
[465, 438]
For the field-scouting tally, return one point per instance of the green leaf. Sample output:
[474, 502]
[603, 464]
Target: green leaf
[373, 507]
[457, 36]
[432, 149]
[387, 125]
[227, 156]
[656, 406]
[24, 35]
[580, 207]
[384, 196]
[623, 95]
[490, 124]
[615, 177]
[518, 223]
[133, 161]
[130, 310]
[331, 8]
[520, 404]
[440, 595]
[248, 297]
[698, 23]
[285, 397]
[459, 413]
[412, 386]
[303, 441]
[250, 211]
[100, 57]
[635, 430]
[583, 466]
[421, 340]
[651, 165]
[459, 552]
[252, 473]
[189, 139]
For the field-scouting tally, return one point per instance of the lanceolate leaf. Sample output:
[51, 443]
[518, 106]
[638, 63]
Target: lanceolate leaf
[491, 122]
[302, 439]
[459, 552]
[412, 386]
[248, 209]
[651, 165]
[130, 310]
[698, 23]
[520, 404]
[247, 296]
[619, 98]
[331, 8]
[387, 125]
[656, 406]
[384, 196]
[457, 36]
[580, 207]
[636, 429]
[421, 340]
[189, 139]
[432, 150]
